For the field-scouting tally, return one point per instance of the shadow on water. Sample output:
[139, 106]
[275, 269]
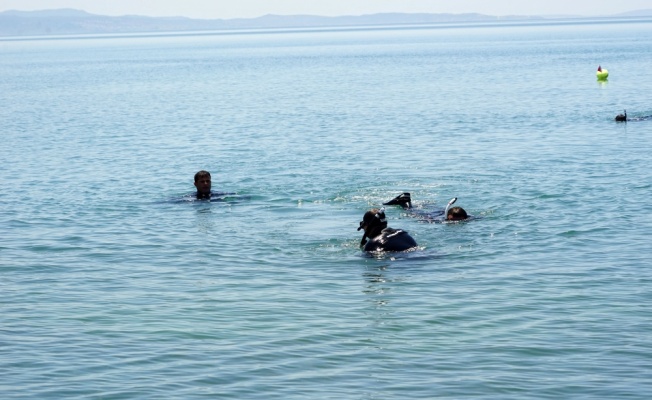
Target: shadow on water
[404, 259]
[640, 118]
[219, 197]
[206, 208]
[376, 282]
[205, 220]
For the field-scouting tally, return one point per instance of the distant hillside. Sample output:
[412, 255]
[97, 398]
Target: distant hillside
[69, 22]
[76, 22]
[637, 13]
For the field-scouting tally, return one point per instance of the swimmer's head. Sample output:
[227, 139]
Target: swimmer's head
[202, 174]
[203, 183]
[621, 117]
[456, 214]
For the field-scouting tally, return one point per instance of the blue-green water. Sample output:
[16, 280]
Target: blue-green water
[114, 289]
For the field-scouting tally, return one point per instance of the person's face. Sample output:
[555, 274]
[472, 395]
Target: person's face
[203, 185]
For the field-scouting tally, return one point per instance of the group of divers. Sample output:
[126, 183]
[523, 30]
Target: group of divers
[377, 236]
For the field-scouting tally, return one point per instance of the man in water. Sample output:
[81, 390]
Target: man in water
[203, 184]
[381, 237]
[452, 213]
[204, 192]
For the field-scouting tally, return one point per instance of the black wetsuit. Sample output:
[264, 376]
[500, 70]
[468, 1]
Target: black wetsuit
[644, 118]
[213, 195]
[391, 240]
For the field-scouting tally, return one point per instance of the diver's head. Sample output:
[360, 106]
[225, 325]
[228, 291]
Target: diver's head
[456, 214]
[621, 117]
[373, 222]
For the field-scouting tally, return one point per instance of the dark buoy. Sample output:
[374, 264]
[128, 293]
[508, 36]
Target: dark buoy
[621, 117]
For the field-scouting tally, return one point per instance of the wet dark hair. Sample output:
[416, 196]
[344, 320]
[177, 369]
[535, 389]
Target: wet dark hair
[457, 214]
[202, 174]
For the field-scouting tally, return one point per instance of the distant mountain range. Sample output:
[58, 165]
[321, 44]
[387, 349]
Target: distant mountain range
[76, 22]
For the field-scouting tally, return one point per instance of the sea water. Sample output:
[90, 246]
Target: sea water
[115, 285]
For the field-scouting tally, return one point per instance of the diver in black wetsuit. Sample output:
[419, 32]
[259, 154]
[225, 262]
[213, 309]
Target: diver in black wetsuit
[382, 238]
[621, 117]
[451, 213]
[624, 118]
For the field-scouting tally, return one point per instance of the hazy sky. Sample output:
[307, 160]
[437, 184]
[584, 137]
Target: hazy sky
[255, 8]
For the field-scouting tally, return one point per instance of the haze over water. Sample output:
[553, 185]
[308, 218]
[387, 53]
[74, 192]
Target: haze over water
[115, 285]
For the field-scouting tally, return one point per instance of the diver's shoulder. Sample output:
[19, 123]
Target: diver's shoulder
[391, 239]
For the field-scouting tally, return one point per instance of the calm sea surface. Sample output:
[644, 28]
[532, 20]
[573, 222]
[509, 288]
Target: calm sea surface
[116, 286]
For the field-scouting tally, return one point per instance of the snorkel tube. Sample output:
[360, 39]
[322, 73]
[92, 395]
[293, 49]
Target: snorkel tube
[448, 206]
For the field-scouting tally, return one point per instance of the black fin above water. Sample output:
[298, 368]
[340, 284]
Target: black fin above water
[404, 200]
